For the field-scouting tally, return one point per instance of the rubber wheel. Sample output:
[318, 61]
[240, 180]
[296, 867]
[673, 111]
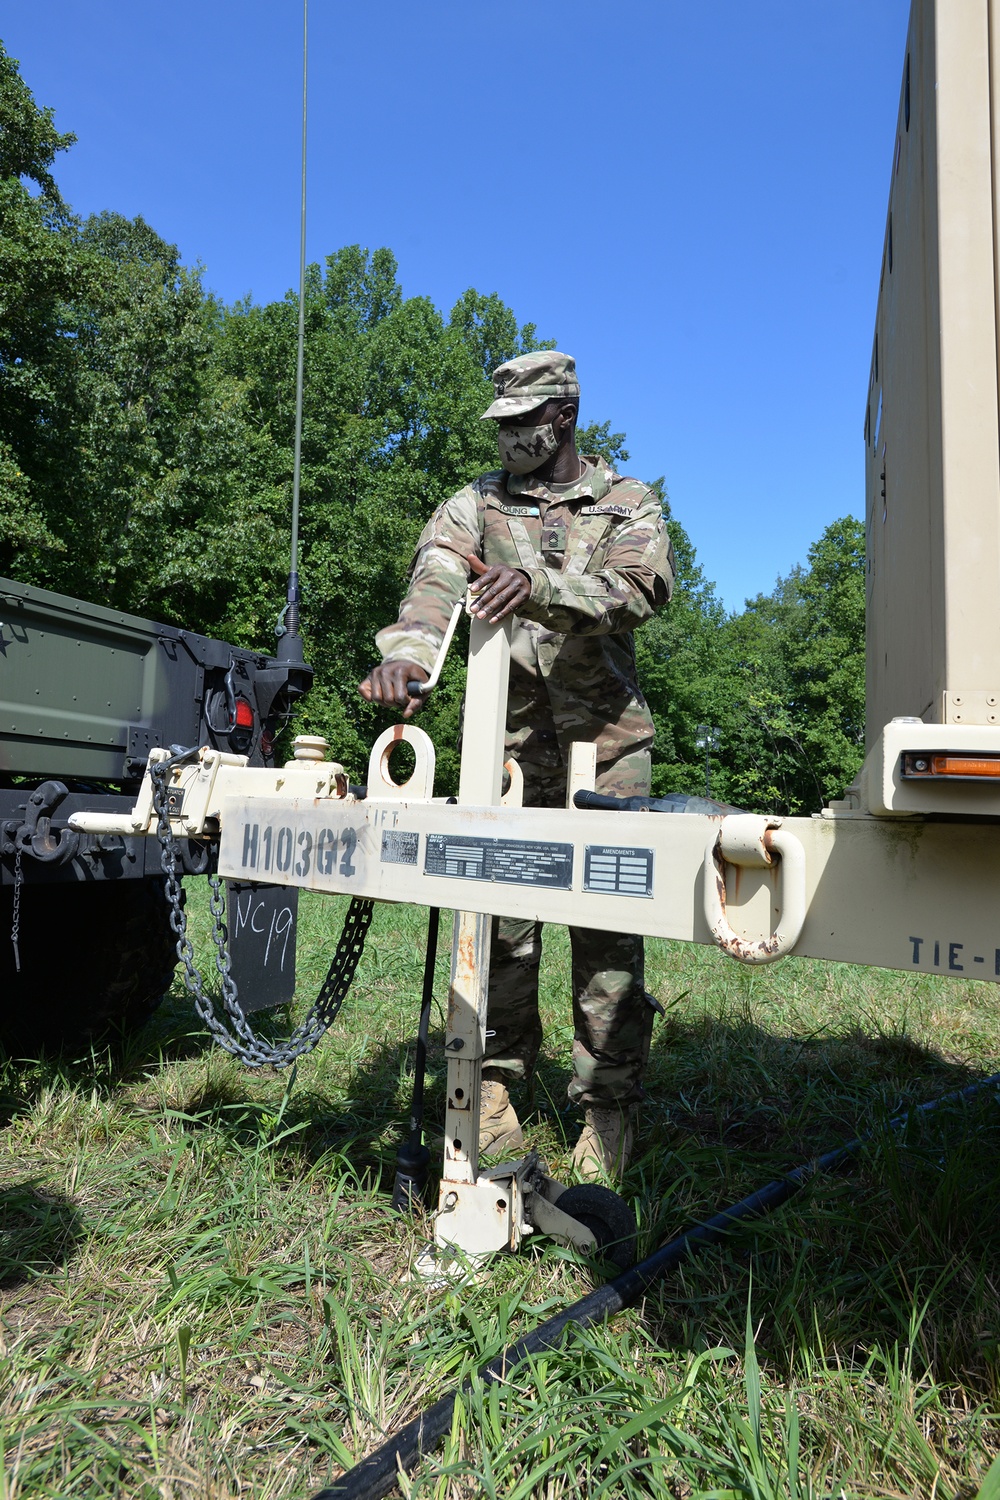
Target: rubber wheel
[96, 960]
[607, 1216]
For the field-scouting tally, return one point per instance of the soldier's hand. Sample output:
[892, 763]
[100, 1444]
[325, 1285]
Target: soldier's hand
[388, 684]
[497, 591]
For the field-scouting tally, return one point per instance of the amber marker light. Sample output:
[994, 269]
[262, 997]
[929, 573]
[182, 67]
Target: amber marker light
[956, 767]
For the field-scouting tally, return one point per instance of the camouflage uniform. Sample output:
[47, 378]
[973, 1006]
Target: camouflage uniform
[599, 561]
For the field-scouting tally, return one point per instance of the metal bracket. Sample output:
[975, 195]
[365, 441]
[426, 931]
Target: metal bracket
[140, 742]
[497, 1211]
[198, 784]
[542, 1208]
[514, 795]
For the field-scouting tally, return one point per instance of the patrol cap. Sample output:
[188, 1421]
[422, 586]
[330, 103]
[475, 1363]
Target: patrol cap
[524, 383]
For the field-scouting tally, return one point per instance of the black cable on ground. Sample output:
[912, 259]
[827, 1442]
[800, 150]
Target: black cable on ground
[377, 1474]
[413, 1157]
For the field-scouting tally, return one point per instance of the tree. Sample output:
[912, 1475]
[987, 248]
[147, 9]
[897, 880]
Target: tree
[38, 270]
[676, 657]
[783, 680]
[828, 657]
[119, 450]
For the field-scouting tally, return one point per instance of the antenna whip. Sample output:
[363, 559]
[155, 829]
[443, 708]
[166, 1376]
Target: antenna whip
[289, 644]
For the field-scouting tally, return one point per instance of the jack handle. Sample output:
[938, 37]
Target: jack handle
[421, 689]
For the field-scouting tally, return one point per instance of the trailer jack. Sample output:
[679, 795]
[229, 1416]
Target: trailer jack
[506, 1202]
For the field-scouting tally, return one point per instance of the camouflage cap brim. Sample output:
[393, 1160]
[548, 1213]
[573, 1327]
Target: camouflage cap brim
[513, 406]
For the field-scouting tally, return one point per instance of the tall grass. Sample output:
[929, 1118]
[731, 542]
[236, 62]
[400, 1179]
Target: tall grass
[203, 1289]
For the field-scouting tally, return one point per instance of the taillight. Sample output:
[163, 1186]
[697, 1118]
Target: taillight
[241, 734]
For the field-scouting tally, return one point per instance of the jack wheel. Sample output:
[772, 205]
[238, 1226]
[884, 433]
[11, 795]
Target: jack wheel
[607, 1216]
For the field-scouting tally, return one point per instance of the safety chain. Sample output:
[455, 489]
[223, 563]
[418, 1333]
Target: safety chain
[249, 1048]
[15, 928]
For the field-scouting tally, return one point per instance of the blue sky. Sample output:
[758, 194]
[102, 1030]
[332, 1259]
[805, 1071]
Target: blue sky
[688, 197]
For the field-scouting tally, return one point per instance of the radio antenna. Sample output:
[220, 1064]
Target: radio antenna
[290, 642]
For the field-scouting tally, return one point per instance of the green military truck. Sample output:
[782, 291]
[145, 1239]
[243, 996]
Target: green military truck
[85, 692]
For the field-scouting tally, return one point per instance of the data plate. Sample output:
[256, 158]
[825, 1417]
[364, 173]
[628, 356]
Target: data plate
[399, 848]
[507, 861]
[618, 870]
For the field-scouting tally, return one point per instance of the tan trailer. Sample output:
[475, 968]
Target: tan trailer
[932, 440]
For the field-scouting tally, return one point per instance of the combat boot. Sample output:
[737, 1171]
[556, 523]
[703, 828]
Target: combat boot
[602, 1153]
[499, 1127]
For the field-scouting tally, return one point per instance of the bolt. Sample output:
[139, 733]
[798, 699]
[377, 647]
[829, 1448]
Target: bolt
[451, 1200]
[920, 765]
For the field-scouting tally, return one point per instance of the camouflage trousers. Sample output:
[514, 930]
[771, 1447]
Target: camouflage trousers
[612, 1016]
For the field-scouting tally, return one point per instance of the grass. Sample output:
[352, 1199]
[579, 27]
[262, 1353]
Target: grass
[201, 1279]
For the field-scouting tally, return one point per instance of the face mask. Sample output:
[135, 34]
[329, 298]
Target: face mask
[525, 448]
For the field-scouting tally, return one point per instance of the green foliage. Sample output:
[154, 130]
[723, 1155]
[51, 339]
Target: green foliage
[675, 655]
[29, 139]
[597, 437]
[39, 267]
[783, 681]
[143, 477]
[828, 666]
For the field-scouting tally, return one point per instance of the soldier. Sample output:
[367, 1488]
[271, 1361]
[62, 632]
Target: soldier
[582, 557]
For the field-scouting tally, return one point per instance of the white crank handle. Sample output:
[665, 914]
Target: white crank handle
[421, 689]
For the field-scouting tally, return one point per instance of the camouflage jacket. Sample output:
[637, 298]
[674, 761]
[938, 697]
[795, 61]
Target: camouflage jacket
[600, 562]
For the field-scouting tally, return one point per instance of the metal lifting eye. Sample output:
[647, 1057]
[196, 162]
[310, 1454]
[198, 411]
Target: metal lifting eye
[420, 786]
[750, 841]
